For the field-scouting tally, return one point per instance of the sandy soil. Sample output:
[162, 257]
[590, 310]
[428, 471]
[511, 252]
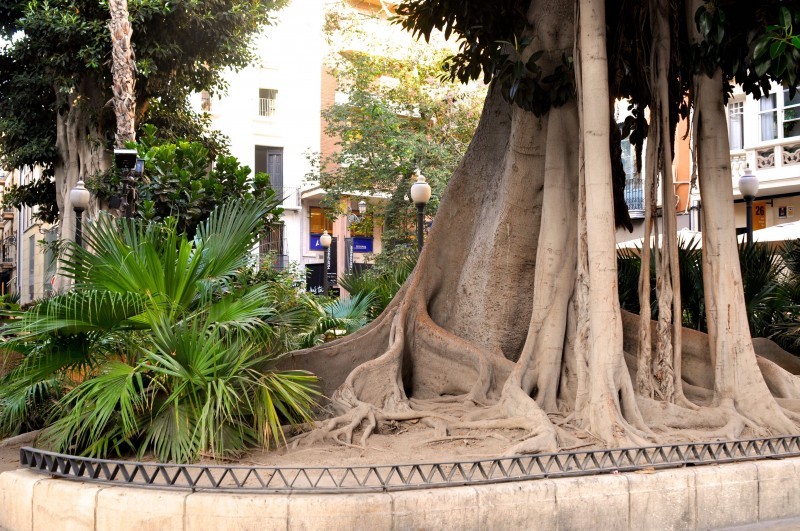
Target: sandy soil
[399, 444]
[405, 444]
[9, 457]
[408, 443]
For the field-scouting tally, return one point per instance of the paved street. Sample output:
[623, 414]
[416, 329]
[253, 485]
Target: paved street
[788, 524]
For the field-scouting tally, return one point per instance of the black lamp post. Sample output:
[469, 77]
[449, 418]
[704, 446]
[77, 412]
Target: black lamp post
[420, 195]
[362, 210]
[748, 185]
[131, 168]
[325, 242]
[79, 197]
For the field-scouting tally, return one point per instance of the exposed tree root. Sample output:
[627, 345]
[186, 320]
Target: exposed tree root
[694, 423]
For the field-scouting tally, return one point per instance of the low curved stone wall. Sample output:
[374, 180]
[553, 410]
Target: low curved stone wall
[703, 497]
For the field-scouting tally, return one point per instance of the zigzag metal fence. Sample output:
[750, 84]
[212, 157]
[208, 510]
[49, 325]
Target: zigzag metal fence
[406, 476]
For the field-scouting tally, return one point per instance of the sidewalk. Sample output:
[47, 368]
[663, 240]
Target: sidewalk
[788, 524]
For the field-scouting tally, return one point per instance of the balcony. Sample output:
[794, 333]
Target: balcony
[634, 197]
[7, 255]
[777, 165]
[8, 213]
[290, 196]
[266, 107]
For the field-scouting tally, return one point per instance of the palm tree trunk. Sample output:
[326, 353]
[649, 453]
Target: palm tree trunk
[123, 70]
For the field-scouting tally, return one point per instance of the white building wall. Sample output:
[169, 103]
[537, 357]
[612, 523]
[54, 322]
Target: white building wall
[289, 60]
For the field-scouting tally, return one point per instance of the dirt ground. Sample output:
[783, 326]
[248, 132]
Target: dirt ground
[9, 457]
[399, 444]
[409, 443]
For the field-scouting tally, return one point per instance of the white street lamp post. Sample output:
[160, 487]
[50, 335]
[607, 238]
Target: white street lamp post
[79, 197]
[748, 185]
[325, 242]
[420, 195]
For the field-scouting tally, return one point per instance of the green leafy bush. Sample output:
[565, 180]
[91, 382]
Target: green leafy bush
[185, 181]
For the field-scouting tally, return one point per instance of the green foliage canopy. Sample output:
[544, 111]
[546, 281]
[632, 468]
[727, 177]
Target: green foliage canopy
[58, 51]
[184, 181]
[752, 42]
[398, 116]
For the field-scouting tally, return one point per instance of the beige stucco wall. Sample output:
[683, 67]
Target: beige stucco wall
[703, 497]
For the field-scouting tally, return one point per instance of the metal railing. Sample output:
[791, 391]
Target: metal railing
[289, 196]
[381, 478]
[266, 107]
[634, 194]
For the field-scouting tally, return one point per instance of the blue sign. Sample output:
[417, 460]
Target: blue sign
[314, 243]
[362, 245]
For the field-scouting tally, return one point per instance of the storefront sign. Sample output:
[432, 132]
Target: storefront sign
[314, 272]
[314, 244]
[759, 215]
[362, 245]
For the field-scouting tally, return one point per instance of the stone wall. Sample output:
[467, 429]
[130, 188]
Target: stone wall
[703, 497]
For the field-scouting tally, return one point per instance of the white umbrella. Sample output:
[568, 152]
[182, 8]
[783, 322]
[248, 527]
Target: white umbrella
[776, 233]
[685, 237]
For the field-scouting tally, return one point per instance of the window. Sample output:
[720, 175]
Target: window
[31, 266]
[791, 114]
[768, 117]
[318, 222]
[50, 259]
[634, 188]
[779, 116]
[270, 160]
[266, 102]
[736, 124]
[271, 247]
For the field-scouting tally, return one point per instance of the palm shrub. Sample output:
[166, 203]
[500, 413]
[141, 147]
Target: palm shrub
[762, 281]
[157, 346]
[770, 282]
[787, 328]
[629, 263]
[382, 281]
[690, 268]
[303, 319]
[334, 318]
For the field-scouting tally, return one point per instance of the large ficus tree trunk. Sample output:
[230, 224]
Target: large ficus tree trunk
[512, 314]
[80, 147]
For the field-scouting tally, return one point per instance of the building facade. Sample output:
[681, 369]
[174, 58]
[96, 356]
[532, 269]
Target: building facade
[28, 262]
[272, 113]
[765, 134]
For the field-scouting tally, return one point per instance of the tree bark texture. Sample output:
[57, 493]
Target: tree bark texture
[123, 71]
[81, 153]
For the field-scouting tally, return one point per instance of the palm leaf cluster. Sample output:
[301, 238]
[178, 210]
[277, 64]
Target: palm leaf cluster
[770, 281]
[158, 347]
[382, 283]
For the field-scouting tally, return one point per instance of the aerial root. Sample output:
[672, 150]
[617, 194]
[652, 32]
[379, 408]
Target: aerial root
[714, 422]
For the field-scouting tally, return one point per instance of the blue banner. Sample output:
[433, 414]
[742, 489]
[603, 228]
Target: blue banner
[362, 245]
